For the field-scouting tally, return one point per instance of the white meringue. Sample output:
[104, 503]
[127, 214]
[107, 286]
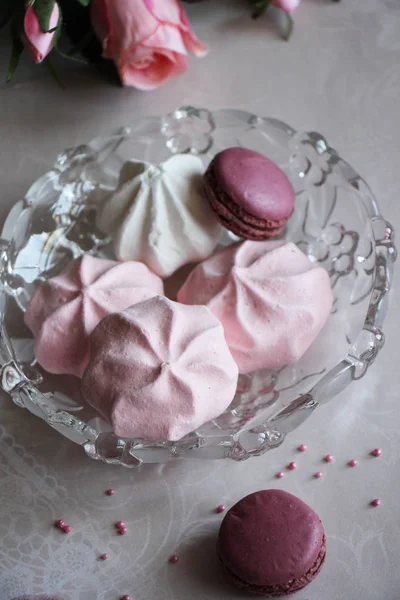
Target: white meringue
[159, 216]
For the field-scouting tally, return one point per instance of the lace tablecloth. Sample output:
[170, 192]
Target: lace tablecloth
[340, 75]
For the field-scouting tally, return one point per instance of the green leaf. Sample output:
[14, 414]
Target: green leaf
[6, 11]
[84, 2]
[259, 6]
[43, 10]
[54, 72]
[16, 51]
[70, 56]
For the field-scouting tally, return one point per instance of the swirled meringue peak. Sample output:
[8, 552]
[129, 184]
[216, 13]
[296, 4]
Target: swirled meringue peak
[65, 309]
[271, 299]
[159, 369]
[159, 215]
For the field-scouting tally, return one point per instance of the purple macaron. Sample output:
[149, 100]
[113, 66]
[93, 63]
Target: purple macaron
[250, 195]
[271, 544]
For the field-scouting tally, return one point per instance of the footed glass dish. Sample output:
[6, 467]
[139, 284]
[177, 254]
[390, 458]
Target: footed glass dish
[336, 222]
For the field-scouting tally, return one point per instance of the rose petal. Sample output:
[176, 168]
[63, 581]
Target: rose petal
[38, 43]
[160, 69]
[288, 6]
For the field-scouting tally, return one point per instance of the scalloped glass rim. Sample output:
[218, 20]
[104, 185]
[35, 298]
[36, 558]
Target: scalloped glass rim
[314, 168]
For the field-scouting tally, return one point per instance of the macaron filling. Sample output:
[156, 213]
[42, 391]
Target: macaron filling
[236, 218]
[277, 590]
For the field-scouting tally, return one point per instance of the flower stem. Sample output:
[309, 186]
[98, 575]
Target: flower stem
[289, 26]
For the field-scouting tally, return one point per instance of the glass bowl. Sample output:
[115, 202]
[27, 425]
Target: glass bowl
[336, 222]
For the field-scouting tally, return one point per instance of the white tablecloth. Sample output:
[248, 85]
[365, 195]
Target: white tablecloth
[339, 75]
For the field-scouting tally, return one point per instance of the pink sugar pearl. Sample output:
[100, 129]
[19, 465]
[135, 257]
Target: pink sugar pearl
[126, 597]
[353, 462]
[376, 502]
[280, 475]
[376, 452]
[292, 466]
[60, 523]
[67, 529]
[302, 448]
[110, 492]
[328, 458]
[104, 556]
[120, 524]
[221, 508]
[122, 531]
[318, 475]
[174, 559]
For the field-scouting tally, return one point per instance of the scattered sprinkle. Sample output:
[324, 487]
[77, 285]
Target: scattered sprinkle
[353, 462]
[302, 448]
[376, 452]
[280, 475]
[318, 475]
[221, 508]
[110, 492]
[60, 523]
[120, 525]
[126, 597]
[292, 466]
[376, 502]
[66, 529]
[174, 559]
[328, 458]
[104, 556]
[122, 530]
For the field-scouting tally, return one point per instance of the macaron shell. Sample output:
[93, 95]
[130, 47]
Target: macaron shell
[235, 218]
[284, 589]
[254, 182]
[270, 538]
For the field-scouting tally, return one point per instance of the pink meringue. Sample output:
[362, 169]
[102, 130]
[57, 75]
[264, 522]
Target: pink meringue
[65, 309]
[159, 369]
[271, 300]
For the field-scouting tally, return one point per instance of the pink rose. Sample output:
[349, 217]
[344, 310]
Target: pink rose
[38, 43]
[147, 39]
[288, 6]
